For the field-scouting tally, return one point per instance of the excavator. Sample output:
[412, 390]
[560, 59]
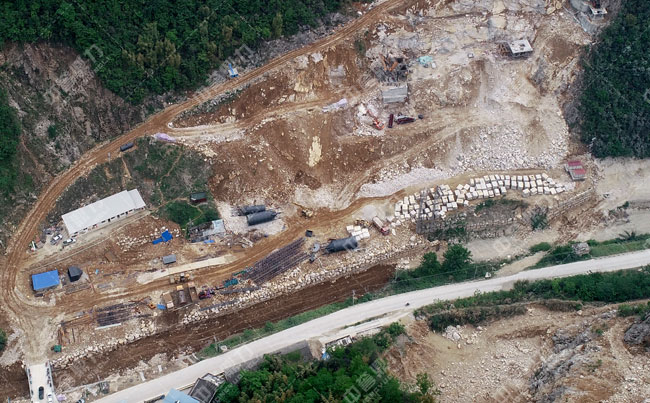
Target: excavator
[379, 125]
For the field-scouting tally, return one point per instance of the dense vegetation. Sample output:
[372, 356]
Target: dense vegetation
[351, 373]
[9, 139]
[139, 47]
[457, 266]
[615, 103]
[618, 286]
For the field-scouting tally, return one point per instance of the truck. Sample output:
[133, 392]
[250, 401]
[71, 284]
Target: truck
[381, 227]
[126, 146]
[402, 119]
[182, 298]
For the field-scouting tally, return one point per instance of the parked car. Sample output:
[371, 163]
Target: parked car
[56, 238]
[49, 398]
[69, 241]
[41, 393]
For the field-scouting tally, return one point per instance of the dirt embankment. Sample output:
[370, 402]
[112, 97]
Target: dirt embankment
[541, 356]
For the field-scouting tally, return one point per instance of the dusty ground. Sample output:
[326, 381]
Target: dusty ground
[500, 361]
[273, 142]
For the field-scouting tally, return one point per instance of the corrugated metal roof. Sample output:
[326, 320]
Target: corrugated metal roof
[397, 94]
[175, 396]
[169, 259]
[102, 210]
[45, 280]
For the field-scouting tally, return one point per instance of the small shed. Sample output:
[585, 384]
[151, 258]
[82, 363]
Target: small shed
[261, 217]
[339, 245]
[206, 387]
[45, 281]
[74, 273]
[196, 198]
[169, 259]
[520, 48]
[576, 170]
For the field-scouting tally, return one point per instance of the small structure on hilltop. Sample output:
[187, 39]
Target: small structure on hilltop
[74, 273]
[205, 388]
[395, 95]
[519, 48]
[103, 211]
[576, 170]
[45, 281]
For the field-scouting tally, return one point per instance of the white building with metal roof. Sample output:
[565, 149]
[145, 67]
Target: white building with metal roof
[103, 211]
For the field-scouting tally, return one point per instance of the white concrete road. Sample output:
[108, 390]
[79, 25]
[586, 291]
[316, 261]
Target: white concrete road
[387, 309]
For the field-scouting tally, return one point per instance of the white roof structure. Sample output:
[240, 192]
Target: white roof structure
[520, 46]
[102, 210]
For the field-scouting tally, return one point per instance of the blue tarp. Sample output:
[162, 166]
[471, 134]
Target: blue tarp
[157, 241]
[166, 236]
[161, 307]
[209, 241]
[45, 280]
[175, 396]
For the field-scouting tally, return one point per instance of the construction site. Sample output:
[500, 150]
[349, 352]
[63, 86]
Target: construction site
[416, 125]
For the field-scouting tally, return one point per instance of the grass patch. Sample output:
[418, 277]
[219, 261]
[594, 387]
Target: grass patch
[3, 339]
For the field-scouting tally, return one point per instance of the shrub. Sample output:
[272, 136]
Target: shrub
[540, 247]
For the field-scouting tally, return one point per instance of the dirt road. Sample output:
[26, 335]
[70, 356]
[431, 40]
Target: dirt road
[24, 313]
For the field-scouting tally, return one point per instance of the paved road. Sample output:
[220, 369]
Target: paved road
[390, 308]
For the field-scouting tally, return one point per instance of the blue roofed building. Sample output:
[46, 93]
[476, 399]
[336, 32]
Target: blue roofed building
[174, 396]
[45, 281]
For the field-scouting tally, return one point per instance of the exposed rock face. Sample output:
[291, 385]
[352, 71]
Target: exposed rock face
[639, 334]
[63, 109]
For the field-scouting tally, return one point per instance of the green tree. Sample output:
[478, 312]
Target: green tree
[276, 25]
[458, 261]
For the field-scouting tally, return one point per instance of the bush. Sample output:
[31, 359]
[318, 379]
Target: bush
[540, 247]
[3, 339]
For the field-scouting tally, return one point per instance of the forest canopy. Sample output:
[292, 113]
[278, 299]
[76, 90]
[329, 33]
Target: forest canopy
[615, 103]
[141, 47]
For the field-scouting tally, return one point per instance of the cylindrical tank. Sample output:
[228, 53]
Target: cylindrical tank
[339, 245]
[261, 217]
[246, 210]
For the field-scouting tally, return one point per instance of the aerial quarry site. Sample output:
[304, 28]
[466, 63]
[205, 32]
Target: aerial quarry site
[322, 181]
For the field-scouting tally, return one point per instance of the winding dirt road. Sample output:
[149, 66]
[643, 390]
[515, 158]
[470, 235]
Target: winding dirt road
[25, 313]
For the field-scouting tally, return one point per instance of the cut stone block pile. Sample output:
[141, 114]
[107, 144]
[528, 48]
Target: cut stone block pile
[358, 232]
[442, 199]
